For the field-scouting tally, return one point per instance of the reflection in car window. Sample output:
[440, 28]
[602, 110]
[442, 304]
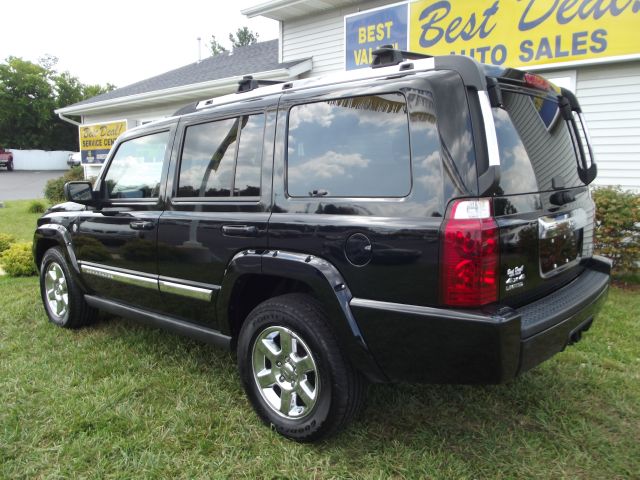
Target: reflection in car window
[209, 158]
[247, 180]
[350, 147]
[535, 145]
[136, 168]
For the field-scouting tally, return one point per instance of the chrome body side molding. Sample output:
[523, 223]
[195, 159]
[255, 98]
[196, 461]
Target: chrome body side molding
[203, 292]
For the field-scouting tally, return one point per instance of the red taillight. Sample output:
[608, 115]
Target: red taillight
[469, 260]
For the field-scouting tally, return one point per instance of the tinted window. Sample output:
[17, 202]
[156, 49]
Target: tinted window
[136, 168]
[535, 145]
[247, 180]
[209, 158]
[351, 147]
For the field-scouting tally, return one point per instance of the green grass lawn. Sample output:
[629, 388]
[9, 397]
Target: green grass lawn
[117, 400]
[15, 219]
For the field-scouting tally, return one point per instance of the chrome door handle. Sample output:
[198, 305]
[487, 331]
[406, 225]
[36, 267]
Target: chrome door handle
[240, 230]
[142, 225]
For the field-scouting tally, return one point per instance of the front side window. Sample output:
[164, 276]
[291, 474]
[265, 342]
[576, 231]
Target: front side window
[349, 147]
[216, 163]
[136, 167]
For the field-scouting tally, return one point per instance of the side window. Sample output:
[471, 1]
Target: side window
[216, 163]
[349, 147]
[136, 168]
[248, 169]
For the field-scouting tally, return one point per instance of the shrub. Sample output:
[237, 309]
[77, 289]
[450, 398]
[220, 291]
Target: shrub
[36, 206]
[5, 241]
[54, 189]
[17, 260]
[617, 230]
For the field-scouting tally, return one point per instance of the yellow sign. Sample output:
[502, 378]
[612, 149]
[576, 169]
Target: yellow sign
[526, 32]
[96, 140]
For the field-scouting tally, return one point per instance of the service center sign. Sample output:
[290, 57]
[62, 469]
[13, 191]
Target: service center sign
[96, 140]
[522, 33]
[366, 31]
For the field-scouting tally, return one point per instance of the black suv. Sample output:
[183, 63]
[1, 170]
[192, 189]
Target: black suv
[427, 219]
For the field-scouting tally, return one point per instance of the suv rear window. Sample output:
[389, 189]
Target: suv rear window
[535, 145]
[350, 147]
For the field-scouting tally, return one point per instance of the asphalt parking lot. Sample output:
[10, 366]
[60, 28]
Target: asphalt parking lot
[25, 184]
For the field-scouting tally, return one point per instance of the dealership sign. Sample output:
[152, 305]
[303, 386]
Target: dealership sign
[364, 32]
[518, 33]
[96, 140]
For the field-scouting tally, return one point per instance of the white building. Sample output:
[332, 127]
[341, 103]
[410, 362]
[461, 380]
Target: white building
[589, 47]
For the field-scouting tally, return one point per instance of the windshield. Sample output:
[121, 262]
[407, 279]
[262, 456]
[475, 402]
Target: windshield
[536, 148]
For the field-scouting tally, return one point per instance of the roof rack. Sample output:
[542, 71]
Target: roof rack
[249, 83]
[386, 56]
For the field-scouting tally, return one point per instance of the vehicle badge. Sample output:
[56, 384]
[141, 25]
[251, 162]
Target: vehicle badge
[515, 278]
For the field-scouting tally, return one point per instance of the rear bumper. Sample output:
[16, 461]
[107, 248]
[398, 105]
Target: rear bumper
[437, 345]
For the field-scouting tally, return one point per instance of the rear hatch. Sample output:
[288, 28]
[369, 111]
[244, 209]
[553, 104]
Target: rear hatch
[542, 207]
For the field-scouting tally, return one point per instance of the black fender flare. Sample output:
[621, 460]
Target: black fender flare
[61, 236]
[327, 284]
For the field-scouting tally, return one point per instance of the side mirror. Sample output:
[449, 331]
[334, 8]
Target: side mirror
[79, 192]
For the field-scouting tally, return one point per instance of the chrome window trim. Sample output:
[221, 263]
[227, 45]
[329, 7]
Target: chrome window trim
[489, 128]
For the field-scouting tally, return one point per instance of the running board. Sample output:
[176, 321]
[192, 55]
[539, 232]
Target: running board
[198, 332]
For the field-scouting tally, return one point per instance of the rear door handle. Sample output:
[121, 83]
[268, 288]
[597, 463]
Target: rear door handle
[142, 225]
[240, 230]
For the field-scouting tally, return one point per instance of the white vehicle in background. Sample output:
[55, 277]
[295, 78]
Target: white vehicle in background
[74, 159]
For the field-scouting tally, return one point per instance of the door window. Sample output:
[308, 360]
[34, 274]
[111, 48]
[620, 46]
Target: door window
[136, 168]
[222, 158]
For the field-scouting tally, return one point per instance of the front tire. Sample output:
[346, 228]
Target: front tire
[294, 372]
[62, 298]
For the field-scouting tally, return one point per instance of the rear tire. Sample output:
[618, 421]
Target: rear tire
[62, 298]
[294, 372]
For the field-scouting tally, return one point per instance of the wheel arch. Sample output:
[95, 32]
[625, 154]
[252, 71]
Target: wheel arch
[53, 235]
[253, 277]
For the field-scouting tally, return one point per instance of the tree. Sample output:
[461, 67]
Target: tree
[243, 37]
[27, 102]
[29, 94]
[216, 48]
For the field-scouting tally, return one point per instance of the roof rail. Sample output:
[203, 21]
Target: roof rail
[249, 83]
[386, 56]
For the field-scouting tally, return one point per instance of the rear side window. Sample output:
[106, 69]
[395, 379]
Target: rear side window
[222, 158]
[349, 147]
[536, 148]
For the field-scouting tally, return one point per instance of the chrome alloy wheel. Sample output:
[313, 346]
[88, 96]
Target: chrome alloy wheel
[285, 372]
[55, 285]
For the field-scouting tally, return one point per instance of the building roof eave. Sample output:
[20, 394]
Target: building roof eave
[288, 9]
[183, 93]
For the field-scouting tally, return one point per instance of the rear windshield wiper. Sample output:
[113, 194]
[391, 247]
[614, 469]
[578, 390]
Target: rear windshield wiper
[571, 110]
